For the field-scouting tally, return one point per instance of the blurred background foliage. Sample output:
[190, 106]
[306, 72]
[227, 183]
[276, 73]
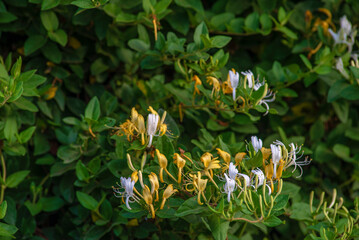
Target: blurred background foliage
[61, 158]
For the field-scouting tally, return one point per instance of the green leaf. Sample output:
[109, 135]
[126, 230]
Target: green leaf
[352, 133]
[52, 52]
[49, 20]
[201, 29]
[68, 153]
[280, 202]
[50, 204]
[17, 92]
[3, 209]
[255, 161]
[16, 178]
[86, 200]
[82, 172]
[84, 4]
[10, 129]
[301, 211]
[306, 61]
[138, 45]
[58, 36]
[272, 221]
[252, 22]
[25, 104]
[219, 227]
[6, 17]
[220, 41]
[342, 151]
[7, 230]
[48, 4]
[190, 206]
[25, 135]
[33, 43]
[93, 110]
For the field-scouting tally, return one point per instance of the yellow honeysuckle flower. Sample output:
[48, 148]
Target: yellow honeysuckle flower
[154, 184]
[266, 152]
[224, 155]
[210, 163]
[162, 160]
[150, 109]
[197, 82]
[147, 196]
[167, 194]
[141, 128]
[134, 115]
[239, 157]
[134, 176]
[201, 187]
[215, 83]
[180, 162]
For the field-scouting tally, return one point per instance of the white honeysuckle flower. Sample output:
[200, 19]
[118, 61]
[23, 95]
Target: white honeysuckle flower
[256, 143]
[270, 97]
[127, 184]
[340, 67]
[232, 171]
[276, 157]
[294, 150]
[260, 175]
[345, 25]
[234, 78]
[152, 123]
[247, 180]
[258, 84]
[250, 78]
[345, 35]
[229, 187]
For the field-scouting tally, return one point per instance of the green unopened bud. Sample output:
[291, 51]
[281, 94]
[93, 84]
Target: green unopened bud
[321, 201]
[311, 201]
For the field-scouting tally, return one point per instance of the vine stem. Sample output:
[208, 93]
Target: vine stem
[3, 177]
[247, 220]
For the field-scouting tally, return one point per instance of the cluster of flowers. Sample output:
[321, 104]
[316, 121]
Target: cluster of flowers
[135, 126]
[276, 159]
[234, 82]
[346, 35]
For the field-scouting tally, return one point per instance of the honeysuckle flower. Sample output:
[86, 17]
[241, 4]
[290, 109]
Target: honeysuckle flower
[152, 123]
[340, 67]
[167, 194]
[229, 187]
[232, 171]
[258, 84]
[197, 82]
[180, 162]
[141, 128]
[247, 180]
[215, 83]
[256, 143]
[200, 185]
[154, 184]
[239, 157]
[234, 79]
[147, 196]
[260, 175]
[248, 78]
[344, 32]
[127, 184]
[162, 160]
[210, 163]
[224, 155]
[134, 115]
[270, 97]
[292, 159]
[276, 157]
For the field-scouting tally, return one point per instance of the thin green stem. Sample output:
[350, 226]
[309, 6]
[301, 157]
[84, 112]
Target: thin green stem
[3, 165]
